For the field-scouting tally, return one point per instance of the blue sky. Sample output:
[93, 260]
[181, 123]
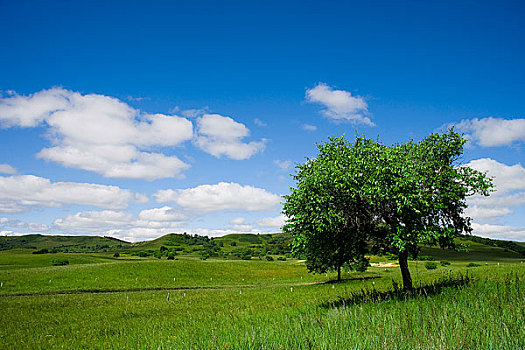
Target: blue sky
[135, 119]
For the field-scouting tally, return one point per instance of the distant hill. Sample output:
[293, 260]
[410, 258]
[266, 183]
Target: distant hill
[232, 244]
[62, 243]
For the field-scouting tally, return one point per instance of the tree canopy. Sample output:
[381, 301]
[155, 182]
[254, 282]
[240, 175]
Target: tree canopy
[362, 196]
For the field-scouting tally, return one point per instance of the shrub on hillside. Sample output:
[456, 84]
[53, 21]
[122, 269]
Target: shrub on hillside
[444, 263]
[425, 258]
[431, 265]
[60, 262]
[41, 251]
[269, 258]
[116, 255]
[281, 258]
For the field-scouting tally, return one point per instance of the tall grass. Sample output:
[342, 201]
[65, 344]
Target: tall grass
[484, 310]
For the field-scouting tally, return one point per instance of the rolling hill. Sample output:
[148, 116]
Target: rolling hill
[235, 245]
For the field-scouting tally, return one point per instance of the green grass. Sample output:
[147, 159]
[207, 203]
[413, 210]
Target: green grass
[98, 302]
[487, 313]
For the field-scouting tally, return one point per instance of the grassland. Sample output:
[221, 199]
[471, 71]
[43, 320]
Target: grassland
[102, 302]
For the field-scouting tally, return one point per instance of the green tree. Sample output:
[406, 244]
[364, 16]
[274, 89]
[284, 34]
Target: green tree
[421, 195]
[361, 195]
[329, 218]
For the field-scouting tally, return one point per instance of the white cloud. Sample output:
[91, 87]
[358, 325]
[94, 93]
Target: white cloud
[31, 111]
[94, 221]
[36, 227]
[237, 221]
[161, 214]
[339, 105]
[484, 213]
[240, 225]
[222, 196]
[193, 113]
[509, 183]
[274, 222]
[244, 228]
[28, 190]
[308, 127]
[117, 161]
[512, 233]
[7, 169]
[99, 133]
[259, 122]
[490, 132]
[283, 165]
[10, 206]
[137, 99]
[151, 223]
[496, 199]
[222, 136]
[31, 226]
[506, 178]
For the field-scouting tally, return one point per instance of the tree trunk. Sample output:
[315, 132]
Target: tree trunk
[339, 273]
[403, 264]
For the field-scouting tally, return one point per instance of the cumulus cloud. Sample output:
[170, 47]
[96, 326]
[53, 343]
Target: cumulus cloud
[93, 221]
[339, 105]
[487, 212]
[308, 127]
[491, 132]
[283, 165]
[150, 223]
[10, 207]
[512, 233]
[259, 122]
[237, 221]
[18, 224]
[509, 183]
[273, 222]
[99, 133]
[506, 177]
[240, 225]
[161, 214]
[222, 196]
[193, 113]
[222, 136]
[18, 192]
[7, 169]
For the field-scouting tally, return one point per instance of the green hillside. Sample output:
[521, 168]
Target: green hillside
[62, 243]
[475, 252]
[236, 246]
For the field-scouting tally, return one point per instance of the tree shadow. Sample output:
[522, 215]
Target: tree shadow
[364, 278]
[374, 296]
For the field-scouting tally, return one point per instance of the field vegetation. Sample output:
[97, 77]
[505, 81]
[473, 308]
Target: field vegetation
[469, 300]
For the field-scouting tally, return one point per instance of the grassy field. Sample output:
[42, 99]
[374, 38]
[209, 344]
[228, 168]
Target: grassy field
[101, 302]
